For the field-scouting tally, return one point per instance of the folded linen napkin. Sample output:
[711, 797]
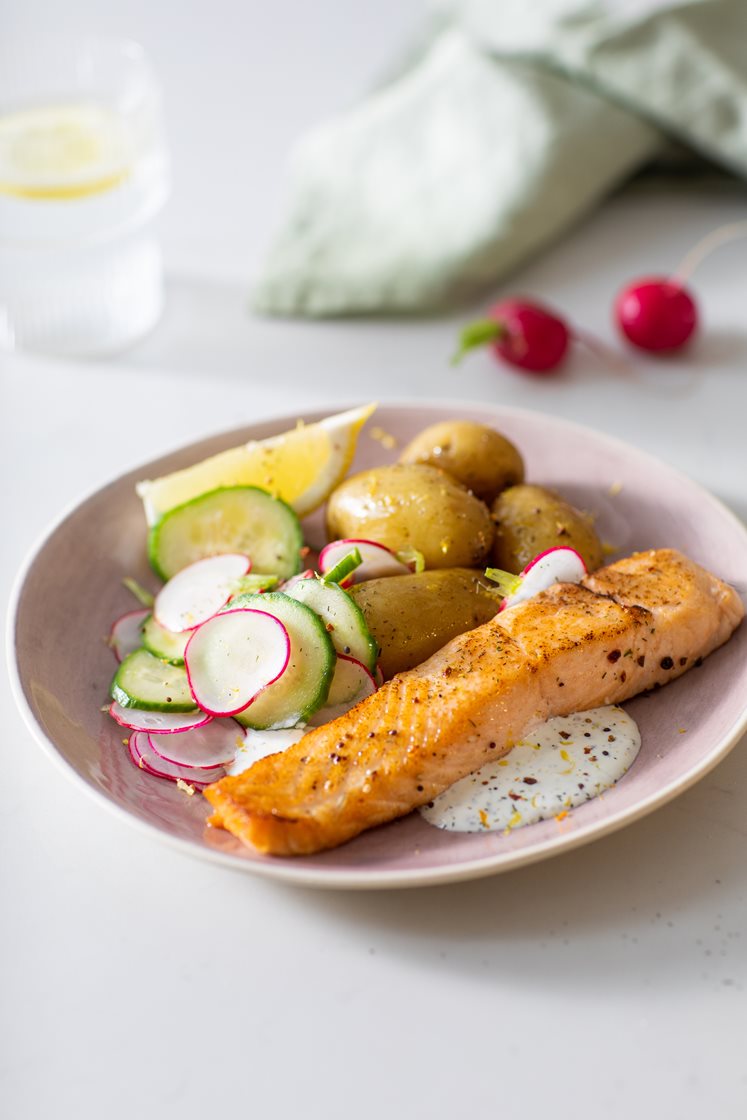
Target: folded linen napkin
[510, 122]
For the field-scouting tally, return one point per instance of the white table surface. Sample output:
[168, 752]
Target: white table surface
[137, 982]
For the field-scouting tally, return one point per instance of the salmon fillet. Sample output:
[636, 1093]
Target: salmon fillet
[626, 628]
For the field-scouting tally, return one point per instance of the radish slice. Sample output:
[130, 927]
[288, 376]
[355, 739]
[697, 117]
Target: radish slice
[378, 560]
[157, 723]
[556, 565]
[213, 744]
[308, 574]
[196, 592]
[342, 571]
[352, 682]
[127, 633]
[233, 656]
[145, 758]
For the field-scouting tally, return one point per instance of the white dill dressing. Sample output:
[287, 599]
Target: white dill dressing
[254, 745]
[563, 763]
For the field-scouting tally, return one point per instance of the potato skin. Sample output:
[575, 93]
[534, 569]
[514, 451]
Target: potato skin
[413, 616]
[531, 519]
[409, 505]
[479, 457]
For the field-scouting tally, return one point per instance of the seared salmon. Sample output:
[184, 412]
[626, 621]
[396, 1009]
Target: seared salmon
[626, 628]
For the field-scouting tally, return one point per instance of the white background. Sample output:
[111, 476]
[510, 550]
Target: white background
[136, 982]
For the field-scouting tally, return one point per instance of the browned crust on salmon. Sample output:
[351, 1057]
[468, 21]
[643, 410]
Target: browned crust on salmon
[627, 628]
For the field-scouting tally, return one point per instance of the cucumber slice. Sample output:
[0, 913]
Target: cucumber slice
[342, 617]
[231, 519]
[304, 686]
[144, 681]
[166, 645]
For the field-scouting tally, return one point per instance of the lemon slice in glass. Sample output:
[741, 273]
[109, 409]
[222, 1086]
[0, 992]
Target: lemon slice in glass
[301, 466]
[62, 151]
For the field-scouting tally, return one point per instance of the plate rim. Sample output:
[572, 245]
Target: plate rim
[294, 870]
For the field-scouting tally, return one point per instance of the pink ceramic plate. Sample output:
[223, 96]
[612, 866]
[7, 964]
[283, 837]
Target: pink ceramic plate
[72, 589]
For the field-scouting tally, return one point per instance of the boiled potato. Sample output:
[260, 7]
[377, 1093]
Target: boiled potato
[409, 505]
[413, 616]
[531, 519]
[477, 456]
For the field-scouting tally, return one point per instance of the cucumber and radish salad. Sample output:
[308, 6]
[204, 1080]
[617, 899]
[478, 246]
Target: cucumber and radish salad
[243, 648]
[239, 639]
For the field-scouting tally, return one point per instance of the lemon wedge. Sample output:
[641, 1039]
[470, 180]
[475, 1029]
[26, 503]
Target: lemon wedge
[301, 466]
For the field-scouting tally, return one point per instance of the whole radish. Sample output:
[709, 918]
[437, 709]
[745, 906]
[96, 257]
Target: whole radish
[659, 313]
[522, 333]
[656, 314]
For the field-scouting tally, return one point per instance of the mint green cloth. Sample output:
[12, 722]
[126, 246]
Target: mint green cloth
[512, 120]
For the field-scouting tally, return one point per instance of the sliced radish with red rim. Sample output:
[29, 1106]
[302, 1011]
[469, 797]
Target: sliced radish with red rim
[378, 560]
[157, 723]
[213, 744]
[309, 573]
[145, 758]
[196, 592]
[127, 633]
[351, 683]
[555, 565]
[343, 571]
[233, 656]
